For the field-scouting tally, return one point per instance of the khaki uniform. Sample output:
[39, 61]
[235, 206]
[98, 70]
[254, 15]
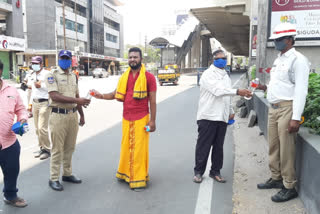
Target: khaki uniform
[63, 126]
[41, 114]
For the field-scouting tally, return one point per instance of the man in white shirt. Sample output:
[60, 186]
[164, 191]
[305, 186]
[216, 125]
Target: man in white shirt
[287, 92]
[214, 111]
[40, 107]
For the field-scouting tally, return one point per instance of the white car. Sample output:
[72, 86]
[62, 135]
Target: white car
[100, 73]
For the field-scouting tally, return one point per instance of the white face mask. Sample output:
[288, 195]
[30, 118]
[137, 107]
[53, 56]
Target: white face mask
[35, 67]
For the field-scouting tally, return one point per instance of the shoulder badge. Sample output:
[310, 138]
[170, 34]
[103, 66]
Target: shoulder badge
[50, 80]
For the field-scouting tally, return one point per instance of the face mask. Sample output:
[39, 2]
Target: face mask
[280, 45]
[64, 63]
[220, 63]
[35, 67]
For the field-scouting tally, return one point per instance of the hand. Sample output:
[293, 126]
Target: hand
[244, 92]
[37, 84]
[294, 126]
[29, 108]
[96, 94]
[83, 101]
[231, 117]
[23, 121]
[82, 121]
[262, 87]
[152, 126]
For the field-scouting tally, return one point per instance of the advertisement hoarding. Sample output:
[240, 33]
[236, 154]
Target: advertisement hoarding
[305, 14]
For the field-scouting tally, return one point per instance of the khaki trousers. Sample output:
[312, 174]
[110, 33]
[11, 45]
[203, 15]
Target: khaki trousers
[64, 130]
[282, 148]
[41, 114]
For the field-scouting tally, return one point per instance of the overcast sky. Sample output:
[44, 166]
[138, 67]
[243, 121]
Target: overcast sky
[147, 17]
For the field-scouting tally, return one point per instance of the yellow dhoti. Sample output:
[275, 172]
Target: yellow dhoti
[134, 155]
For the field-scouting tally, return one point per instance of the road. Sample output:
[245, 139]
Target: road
[170, 189]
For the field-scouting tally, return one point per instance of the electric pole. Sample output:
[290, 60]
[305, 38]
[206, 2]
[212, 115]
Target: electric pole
[64, 26]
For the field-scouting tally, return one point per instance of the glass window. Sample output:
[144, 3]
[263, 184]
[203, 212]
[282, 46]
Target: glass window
[71, 25]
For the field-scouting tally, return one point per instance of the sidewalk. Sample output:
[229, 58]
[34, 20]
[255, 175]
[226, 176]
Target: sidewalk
[251, 168]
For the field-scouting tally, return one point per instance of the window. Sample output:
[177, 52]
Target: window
[71, 25]
[112, 24]
[111, 38]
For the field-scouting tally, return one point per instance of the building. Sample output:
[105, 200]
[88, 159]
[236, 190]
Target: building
[92, 30]
[11, 35]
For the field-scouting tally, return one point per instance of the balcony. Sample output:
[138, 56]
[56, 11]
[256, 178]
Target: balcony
[5, 7]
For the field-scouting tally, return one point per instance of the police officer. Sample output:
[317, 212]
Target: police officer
[64, 103]
[40, 107]
[287, 93]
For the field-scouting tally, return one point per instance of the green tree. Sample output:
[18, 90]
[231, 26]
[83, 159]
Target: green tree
[153, 54]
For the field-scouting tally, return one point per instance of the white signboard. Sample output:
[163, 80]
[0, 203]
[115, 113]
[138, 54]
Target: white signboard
[305, 14]
[11, 43]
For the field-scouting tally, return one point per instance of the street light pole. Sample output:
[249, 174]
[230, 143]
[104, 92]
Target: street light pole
[64, 26]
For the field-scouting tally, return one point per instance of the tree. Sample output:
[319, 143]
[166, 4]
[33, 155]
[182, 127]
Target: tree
[153, 54]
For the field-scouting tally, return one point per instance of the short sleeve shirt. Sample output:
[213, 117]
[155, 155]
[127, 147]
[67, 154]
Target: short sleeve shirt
[63, 83]
[134, 109]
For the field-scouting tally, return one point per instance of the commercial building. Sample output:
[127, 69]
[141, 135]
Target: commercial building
[92, 30]
[11, 36]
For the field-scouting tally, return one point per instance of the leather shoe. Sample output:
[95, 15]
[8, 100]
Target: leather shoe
[285, 195]
[55, 185]
[271, 184]
[71, 179]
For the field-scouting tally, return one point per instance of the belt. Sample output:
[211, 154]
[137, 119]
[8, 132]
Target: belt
[281, 104]
[40, 100]
[63, 111]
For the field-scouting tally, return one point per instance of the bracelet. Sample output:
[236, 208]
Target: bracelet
[237, 92]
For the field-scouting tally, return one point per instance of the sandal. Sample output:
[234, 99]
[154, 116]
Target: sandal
[218, 178]
[197, 178]
[17, 202]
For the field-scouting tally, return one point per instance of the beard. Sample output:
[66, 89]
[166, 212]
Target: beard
[134, 67]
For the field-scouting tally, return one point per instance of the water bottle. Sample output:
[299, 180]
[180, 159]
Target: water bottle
[147, 128]
[89, 95]
[25, 128]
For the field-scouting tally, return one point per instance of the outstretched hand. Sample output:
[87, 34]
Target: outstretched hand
[96, 94]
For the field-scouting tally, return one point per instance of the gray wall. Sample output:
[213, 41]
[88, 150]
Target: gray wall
[41, 16]
[14, 22]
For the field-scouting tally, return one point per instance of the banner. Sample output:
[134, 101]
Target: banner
[11, 43]
[305, 14]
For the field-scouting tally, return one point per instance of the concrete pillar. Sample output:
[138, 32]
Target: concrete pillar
[206, 51]
[189, 59]
[263, 8]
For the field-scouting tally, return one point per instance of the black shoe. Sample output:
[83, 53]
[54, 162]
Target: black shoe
[55, 185]
[285, 195]
[271, 184]
[71, 179]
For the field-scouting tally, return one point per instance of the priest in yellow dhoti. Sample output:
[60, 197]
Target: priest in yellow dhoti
[137, 90]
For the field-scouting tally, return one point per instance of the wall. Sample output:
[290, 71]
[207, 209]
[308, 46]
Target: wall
[41, 18]
[14, 22]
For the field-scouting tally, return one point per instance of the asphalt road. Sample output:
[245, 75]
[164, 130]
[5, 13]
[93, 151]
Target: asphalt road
[170, 189]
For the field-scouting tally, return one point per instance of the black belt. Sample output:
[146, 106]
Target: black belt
[63, 111]
[40, 100]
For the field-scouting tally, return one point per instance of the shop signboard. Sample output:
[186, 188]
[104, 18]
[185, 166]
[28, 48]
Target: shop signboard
[8, 43]
[305, 14]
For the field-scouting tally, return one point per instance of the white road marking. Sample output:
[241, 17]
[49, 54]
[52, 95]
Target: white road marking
[203, 205]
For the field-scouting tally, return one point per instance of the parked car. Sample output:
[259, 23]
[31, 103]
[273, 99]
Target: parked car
[100, 73]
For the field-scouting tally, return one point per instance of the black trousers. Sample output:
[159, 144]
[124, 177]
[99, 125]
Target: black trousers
[210, 134]
[9, 162]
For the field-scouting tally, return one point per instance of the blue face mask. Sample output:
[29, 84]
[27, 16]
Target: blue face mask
[220, 63]
[64, 63]
[36, 67]
[280, 45]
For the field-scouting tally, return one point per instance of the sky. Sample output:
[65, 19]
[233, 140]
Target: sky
[147, 17]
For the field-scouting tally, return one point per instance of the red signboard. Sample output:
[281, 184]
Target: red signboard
[74, 61]
[290, 5]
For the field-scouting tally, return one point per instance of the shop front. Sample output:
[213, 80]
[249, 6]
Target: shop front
[9, 46]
